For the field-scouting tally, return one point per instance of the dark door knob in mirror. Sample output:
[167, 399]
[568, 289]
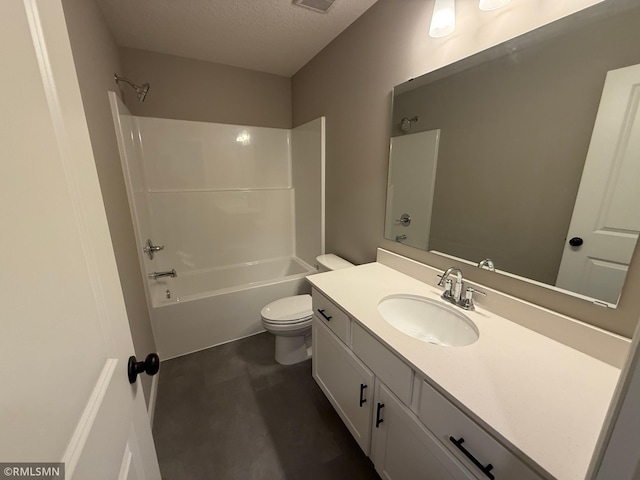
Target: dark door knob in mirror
[576, 242]
[150, 366]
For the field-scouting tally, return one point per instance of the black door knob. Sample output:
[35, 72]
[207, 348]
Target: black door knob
[150, 366]
[576, 242]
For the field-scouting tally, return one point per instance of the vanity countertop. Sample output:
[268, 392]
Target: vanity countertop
[545, 398]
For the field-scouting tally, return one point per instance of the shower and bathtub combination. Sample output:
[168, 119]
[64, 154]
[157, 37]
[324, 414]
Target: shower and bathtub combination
[239, 211]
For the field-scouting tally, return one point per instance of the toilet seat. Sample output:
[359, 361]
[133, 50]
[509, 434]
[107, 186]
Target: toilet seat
[284, 323]
[288, 310]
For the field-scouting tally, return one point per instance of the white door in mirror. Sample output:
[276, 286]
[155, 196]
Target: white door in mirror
[606, 221]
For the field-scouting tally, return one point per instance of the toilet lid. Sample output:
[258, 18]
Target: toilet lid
[289, 308]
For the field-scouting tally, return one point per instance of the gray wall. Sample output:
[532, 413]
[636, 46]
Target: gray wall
[350, 82]
[187, 89]
[96, 58]
[514, 137]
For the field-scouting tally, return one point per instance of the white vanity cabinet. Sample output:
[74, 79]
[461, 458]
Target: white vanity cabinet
[407, 428]
[403, 449]
[345, 380]
[515, 404]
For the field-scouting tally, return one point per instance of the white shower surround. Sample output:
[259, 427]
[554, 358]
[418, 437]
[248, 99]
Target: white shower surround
[217, 194]
[221, 199]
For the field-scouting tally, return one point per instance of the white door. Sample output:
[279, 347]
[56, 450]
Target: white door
[606, 216]
[65, 339]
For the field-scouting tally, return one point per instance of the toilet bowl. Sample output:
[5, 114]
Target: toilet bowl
[289, 318]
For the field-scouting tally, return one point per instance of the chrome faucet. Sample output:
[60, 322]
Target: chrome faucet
[453, 291]
[156, 275]
[487, 264]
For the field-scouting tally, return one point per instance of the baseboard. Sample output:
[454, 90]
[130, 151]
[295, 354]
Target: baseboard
[212, 346]
[153, 394]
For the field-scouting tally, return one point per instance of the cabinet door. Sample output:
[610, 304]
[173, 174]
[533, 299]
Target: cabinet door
[403, 449]
[346, 382]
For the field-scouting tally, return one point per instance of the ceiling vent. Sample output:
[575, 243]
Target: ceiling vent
[321, 6]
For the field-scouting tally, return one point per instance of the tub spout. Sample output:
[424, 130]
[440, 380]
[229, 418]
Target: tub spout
[156, 275]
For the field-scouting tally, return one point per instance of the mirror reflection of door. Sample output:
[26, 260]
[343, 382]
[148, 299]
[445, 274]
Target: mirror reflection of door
[605, 218]
[411, 182]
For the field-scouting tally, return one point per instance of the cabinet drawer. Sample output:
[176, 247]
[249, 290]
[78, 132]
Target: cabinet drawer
[445, 421]
[393, 372]
[330, 315]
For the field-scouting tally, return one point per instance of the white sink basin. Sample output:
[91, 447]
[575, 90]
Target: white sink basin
[428, 320]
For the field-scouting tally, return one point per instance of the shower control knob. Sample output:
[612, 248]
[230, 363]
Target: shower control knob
[576, 242]
[150, 249]
[404, 220]
[150, 366]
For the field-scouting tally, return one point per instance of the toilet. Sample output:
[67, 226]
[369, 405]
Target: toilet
[289, 318]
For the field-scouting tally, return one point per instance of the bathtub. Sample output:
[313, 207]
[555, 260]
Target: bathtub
[198, 310]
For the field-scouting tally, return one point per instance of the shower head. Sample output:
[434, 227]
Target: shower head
[142, 93]
[141, 90]
[405, 123]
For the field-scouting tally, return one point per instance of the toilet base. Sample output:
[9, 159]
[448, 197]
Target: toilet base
[292, 350]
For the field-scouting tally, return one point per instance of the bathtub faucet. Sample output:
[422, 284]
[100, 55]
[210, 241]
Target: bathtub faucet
[156, 275]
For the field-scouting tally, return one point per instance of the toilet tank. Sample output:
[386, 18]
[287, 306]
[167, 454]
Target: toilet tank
[329, 262]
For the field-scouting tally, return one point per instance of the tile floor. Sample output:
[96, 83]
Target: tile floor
[232, 413]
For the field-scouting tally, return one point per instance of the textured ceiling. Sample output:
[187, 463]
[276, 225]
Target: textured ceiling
[272, 36]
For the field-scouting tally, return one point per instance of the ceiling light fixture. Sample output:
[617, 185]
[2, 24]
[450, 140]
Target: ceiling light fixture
[443, 20]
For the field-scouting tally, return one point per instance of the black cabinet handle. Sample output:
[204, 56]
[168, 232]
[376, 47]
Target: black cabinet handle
[325, 316]
[486, 470]
[378, 419]
[362, 400]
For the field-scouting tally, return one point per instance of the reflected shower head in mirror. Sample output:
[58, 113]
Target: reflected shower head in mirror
[405, 123]
[141, 90]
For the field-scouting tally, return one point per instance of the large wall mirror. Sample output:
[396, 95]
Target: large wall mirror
[528, 154]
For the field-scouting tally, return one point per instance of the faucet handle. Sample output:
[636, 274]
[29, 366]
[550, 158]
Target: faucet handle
[471, 290]
[467, 302]
[448, 287]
